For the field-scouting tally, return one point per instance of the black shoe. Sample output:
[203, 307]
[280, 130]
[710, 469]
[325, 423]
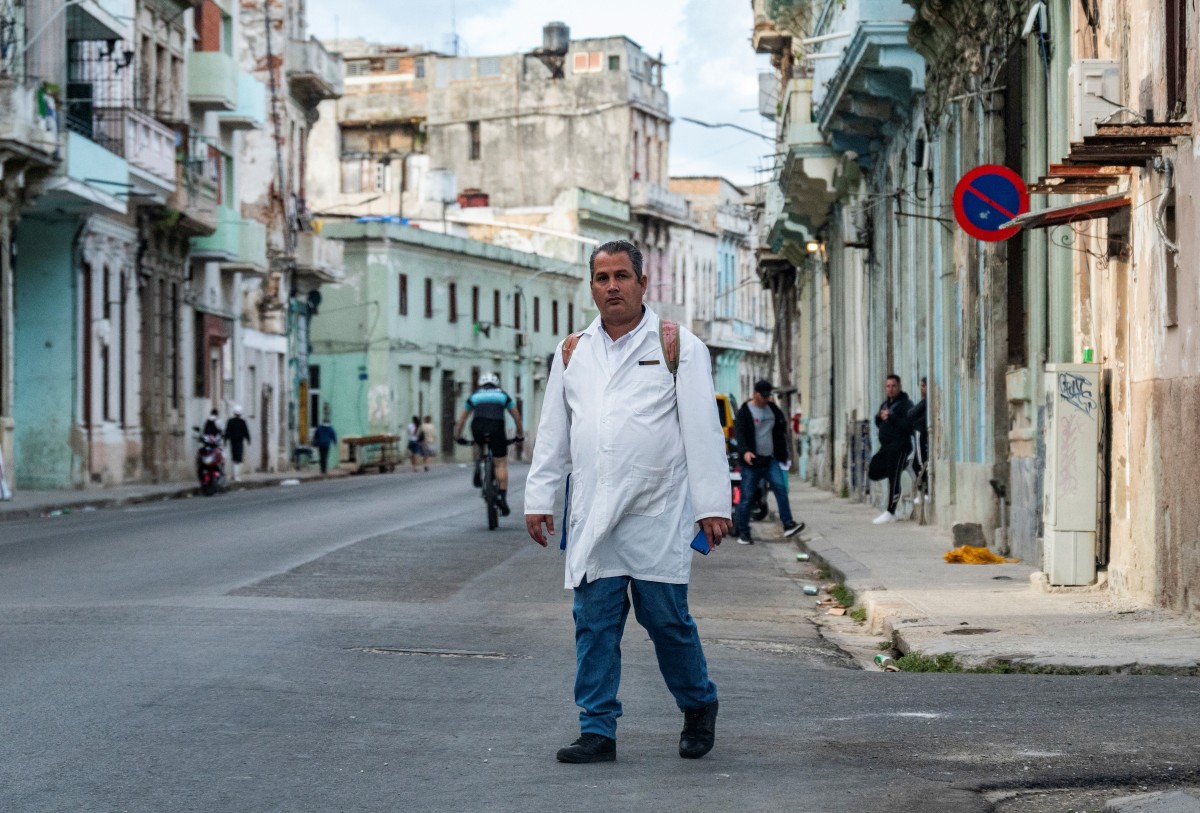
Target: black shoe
[502, 502]
[699, 731]
[793, 528]
[590, 748]
[477, 481]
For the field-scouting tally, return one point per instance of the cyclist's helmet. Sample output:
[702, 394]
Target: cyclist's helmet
[489, 380]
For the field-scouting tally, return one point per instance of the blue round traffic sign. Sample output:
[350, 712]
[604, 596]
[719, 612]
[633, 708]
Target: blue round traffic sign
[987, 197]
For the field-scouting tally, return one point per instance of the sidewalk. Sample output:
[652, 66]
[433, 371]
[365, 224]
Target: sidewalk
[27, 504]
[983, 615]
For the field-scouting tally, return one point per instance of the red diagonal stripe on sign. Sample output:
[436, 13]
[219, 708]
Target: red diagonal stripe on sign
[990, 202]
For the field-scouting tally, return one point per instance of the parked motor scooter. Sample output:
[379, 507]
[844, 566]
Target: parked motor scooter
[210, 463]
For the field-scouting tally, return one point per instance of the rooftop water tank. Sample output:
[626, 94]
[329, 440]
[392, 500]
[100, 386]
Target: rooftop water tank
[556, 38]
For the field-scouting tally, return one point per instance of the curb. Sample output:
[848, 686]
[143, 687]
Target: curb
[184, 492]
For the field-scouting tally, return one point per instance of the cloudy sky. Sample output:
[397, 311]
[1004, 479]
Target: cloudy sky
[711, 70]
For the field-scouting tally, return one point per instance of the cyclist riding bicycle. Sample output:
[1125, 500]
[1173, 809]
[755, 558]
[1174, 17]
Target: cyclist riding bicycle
[489, 403]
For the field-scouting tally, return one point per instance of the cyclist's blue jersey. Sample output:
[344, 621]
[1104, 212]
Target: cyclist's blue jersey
[489, 403]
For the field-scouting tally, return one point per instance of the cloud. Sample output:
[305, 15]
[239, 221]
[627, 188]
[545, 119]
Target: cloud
[711, 69]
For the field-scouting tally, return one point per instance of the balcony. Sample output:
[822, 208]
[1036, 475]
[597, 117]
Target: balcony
[806, 181]
[146, 144]
[319, 257]
[872, 82]
[28, 127]
[658, 201]
[767, 37]
[237, 244]
[251, 110]
[313, 73]
[212, 80]
[92, 179]
[195, 199]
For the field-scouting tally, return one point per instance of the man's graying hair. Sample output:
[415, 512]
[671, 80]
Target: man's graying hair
[617, 247]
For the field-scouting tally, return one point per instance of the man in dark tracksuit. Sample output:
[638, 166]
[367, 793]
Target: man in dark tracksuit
[761, 433]
[895, 444]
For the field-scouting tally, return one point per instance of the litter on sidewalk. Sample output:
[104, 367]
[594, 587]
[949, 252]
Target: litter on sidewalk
[971, 555]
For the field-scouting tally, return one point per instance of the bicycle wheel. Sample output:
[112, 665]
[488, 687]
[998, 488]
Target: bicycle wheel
[493, 515]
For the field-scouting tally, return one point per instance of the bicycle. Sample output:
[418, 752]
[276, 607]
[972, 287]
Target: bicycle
[485, 467]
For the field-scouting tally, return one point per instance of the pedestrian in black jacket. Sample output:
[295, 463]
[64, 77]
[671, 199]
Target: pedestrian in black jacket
[238, 436]
[918, 420]
[895, 444]
[761, 433]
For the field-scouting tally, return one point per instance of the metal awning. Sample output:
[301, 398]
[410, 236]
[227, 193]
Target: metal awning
[1072, 213]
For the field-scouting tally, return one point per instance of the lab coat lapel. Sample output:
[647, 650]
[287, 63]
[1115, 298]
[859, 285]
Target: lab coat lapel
[648, 333]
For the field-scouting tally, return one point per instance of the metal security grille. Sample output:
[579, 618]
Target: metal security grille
[99, 90]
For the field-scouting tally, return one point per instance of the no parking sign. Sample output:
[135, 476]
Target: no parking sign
[987, 197]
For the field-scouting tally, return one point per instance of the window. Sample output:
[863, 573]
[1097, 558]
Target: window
[614, 63]
[586, 61]
[403, 309]
[554, 317]
[570, 317]
[474, 303]
[1177, 53]
[358, 67]
[428, 298]
[537, 314]
[496, 308]
[352, 175]
[516, 313]
[489, 66]
[391, 64]
[419, 68]
[453, 296]
[473, 134]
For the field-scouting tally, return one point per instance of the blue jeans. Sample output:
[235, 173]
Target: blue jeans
[751, 477]
[601, 608]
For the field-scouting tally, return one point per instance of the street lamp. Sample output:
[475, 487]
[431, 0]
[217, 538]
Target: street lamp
[728, 124]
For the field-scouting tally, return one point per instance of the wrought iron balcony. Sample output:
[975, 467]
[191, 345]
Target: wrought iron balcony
[314, 73]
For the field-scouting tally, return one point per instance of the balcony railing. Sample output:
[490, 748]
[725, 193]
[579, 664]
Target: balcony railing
[315, 73]
[28, 124]
[212, 80]
[145, 143]
[320, 257]
[648, 198]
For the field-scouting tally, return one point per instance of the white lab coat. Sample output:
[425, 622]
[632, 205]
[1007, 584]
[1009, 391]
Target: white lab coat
[647, 457]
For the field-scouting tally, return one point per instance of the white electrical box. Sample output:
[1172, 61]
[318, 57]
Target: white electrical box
[1071, 505]
[1095, 86]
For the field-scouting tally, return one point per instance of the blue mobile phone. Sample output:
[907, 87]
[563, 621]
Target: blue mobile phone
[700, 543]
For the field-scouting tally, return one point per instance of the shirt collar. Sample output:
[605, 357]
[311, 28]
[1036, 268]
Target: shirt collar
[649, 323]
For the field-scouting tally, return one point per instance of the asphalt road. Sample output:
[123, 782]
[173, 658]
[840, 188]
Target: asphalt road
[367, 645]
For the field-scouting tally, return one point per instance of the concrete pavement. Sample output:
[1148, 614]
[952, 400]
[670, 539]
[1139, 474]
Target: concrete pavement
[1001, 615]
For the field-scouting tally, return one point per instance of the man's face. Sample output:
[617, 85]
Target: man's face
[616, 289]
[924, 389]
[892, 388]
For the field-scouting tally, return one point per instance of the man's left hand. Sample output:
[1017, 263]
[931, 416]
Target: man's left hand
[716, 529]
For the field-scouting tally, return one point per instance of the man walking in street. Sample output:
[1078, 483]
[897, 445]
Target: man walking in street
[428, 440]
[237, 434]
[895, 444]
[761, 433]
[414, 441]
[324, 437]
[647, 456]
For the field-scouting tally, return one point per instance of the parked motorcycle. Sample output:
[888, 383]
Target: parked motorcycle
[210, 463]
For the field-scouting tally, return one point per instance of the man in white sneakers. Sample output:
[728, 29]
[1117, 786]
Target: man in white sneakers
[895, 444]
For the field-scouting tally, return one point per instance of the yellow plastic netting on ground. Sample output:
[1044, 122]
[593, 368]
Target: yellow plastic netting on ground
[970, 555]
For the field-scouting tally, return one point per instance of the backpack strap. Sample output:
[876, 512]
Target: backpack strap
[569, 347]
[668, 340]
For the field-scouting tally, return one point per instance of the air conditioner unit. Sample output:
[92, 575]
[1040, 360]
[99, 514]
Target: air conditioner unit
[1070, 509]
[1095, 94]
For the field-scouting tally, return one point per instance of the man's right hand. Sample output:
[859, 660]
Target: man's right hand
[534, 523]
[748, 457]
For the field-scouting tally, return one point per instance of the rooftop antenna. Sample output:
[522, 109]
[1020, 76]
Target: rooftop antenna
[453, 29]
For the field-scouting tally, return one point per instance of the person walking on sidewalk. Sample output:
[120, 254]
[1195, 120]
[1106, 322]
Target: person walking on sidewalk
[237, 434]
[918, 421]
[761, 432]
[647, 460]
[428, 440]
[895, 444]
[414, 441]
[324, 437]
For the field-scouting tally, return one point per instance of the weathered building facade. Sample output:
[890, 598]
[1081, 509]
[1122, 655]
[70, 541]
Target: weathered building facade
[905, 100]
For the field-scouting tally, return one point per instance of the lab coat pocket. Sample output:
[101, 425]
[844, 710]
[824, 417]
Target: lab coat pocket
[649, 486]
[651, 391]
